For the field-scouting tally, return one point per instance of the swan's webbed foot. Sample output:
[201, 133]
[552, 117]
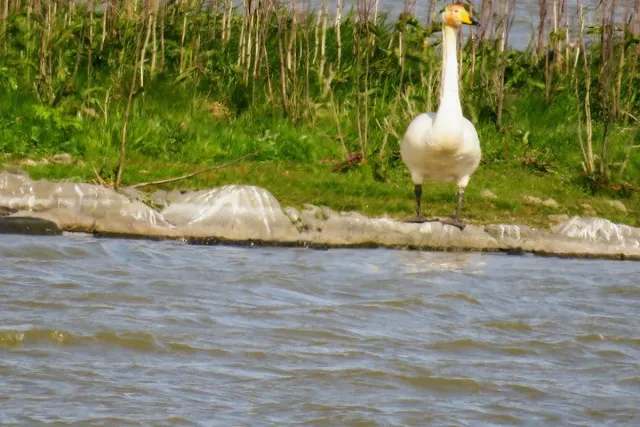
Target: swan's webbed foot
[454, 221]
[419, 219]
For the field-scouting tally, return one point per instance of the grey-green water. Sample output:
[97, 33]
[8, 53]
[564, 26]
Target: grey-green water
[122, 332]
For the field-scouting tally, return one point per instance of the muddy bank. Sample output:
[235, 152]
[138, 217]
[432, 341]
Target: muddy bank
[251, 215]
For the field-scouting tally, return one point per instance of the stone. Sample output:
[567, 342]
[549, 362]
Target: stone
[488, 194]
[234, 212]
[79, 206]
[550, 203]
[509, 231]
[532, 200]
[293, 214]
[5, 211]
[354, 229]
[159, 198]
[617, 205]
[132, 194]
[62, 159]
[28, 225]
[599, 230]
[312, 218]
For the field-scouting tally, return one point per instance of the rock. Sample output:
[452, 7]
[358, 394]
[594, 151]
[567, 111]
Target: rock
[174, 195]
[159, 198]
[617, 205]
[488, 194]
[598, 230]
[292, 214]
[234, 212]
[532, 200]
[62, 159]
[5, 211]
[550, 203]
[312, 218]
[558, 218]
[80, 207]
[509, 231]
[28, 225]
[132, 194]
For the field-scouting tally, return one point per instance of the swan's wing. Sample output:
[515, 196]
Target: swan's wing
[471, 140]
[417, 134]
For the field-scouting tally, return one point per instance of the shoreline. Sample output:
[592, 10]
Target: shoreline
[247, 215]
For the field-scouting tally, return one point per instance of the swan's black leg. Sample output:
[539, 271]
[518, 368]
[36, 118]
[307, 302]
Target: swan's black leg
[455, 220]
[418, 191]
[419, 218]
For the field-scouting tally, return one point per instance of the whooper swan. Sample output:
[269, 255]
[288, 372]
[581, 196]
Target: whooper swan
[443, 146]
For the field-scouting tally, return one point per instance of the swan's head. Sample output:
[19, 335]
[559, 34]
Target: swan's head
[456, 15]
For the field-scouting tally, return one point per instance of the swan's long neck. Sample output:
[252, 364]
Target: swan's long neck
[449, 93]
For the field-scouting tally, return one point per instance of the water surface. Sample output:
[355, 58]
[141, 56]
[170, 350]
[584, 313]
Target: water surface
[126, 332]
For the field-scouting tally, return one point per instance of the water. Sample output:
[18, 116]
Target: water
[126, 332]
[526, 14]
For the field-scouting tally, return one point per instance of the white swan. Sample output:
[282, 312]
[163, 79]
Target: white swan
[443, 146]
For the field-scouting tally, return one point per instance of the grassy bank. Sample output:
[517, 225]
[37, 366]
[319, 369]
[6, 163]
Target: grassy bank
[188, 86]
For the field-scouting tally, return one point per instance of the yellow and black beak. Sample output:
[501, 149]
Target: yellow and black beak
[467, 19]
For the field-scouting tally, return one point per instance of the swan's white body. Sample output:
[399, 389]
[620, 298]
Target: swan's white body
[443, 146]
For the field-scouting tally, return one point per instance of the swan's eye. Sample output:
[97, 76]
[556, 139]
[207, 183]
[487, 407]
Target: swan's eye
[456, 11]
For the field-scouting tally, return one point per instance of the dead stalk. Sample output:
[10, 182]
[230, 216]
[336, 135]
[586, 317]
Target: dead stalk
[127, 111]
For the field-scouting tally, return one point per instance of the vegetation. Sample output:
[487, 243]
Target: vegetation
[144, 90]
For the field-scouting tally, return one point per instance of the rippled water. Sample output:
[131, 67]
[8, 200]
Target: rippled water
[119, 332]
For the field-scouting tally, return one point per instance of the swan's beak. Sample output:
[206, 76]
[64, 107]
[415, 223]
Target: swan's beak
[465, 18]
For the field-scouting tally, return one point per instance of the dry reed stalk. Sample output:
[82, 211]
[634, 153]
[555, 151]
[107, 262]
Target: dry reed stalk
[163, 15]
[154, 37]
[507, 20]
[337, 25]
[90, 47]
[316, 35]
[143, 52]
[129, 8]
[263, 24]
[587, 149]
[223, 30]
[292, 34]
[182, 38]
[5, 18]
[338, 127]
[127, 112]
[198, 172]
[554, 15]
[230, 6]
[253, 15]
[323, 43]
[241, 41]
[107, 11]
[283, 67]
[542, 9]
[307, 67]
